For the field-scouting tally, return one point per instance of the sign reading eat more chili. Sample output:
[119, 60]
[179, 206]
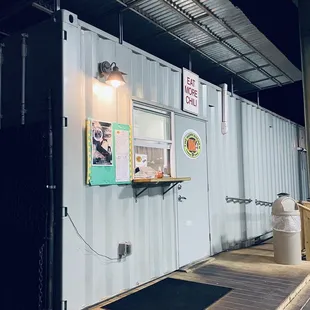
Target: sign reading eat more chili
[190, 92]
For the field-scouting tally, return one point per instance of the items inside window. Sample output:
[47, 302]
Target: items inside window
[152, 162]
[152, 143]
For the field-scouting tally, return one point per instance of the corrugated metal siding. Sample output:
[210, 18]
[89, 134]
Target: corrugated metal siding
[253, 161]
[270, 165]
[304, 177]
[106, 216]
[256, 159]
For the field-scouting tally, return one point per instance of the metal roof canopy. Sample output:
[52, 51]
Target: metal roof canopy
[217, 36]
[220, 32]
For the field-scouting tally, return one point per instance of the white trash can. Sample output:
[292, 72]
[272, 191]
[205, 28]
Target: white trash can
[286, 231]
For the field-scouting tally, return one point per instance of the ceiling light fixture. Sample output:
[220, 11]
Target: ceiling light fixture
[113, 76]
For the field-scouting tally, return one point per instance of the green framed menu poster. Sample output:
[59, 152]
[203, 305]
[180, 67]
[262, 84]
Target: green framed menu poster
[109, 154]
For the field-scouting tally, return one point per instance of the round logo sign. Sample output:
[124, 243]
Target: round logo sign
[191, 144]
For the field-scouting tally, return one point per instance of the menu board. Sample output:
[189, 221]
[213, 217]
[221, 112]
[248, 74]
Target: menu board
[109, 155]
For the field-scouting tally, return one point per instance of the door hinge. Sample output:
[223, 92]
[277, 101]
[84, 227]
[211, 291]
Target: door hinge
[65, 211]
[65, 121]
[208, 187]
[209, 236]
[65, 35]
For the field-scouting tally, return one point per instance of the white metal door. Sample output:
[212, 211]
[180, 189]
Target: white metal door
[193, 213]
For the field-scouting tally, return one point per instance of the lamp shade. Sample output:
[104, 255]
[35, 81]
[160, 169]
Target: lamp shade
[115, 78]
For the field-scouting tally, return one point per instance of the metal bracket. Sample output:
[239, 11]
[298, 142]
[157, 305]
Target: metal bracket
[300, 149]
[137, 193]
[165, 190]
[238, 200]
[170, 188]
[263, 203]
[65, 121]
[65, 211]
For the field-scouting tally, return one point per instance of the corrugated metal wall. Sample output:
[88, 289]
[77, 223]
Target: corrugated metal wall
[256, 159]
[304, 176]
[106, 216]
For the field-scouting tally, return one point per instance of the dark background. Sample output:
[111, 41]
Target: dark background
[278, 20]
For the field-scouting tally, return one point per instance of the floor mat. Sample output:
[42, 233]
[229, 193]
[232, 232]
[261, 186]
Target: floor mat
[171, 294]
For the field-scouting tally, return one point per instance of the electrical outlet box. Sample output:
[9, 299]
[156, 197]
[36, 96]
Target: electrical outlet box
[124, 249]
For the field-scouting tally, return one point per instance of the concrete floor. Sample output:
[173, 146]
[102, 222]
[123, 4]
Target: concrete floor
[256, 281]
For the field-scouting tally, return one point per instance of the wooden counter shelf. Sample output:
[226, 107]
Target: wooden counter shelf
[145, 184]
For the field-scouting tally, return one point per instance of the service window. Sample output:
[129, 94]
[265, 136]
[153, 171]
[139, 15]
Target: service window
[152, 140]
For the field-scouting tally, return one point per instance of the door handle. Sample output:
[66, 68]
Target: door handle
[181, 198]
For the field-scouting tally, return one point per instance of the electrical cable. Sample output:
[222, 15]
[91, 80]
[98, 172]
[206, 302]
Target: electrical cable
[91, 248]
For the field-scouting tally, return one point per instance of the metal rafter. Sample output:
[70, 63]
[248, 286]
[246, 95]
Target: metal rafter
[210, 33]
[219, 63]
[42, 8]
[5, 34]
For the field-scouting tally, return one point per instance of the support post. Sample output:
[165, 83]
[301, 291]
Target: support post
[304, 27]
[1, 62]
[56, 5]
[121, 26]
[190, 65]
[51, 190]
[299, 158]
[258, 103]
[232, 87]
[23, 98]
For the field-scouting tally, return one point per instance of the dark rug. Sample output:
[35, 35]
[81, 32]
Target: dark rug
[171, 294]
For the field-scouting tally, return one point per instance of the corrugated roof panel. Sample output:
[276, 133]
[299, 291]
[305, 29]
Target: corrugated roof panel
[238, 45]
[254, 75]
[238, 65]
[235, 19]
[161, 13]
[189, 7]
[283, 79]
[258, 60]
[216, 28]
[272, 71]
[218, 52]
[265, 84]
[191, 34]
[199, 22]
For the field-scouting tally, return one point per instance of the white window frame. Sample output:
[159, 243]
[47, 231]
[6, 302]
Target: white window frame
[155, 143]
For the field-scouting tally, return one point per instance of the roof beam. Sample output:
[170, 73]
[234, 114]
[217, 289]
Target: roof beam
[252, 69]
[175, 27]
[133, 4]
[42, 8]
[215, 42]
[237, 57]
[266, 79]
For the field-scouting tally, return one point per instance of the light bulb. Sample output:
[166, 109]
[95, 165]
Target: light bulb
[115, 83]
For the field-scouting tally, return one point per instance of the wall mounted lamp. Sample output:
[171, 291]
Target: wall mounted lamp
[111, 73]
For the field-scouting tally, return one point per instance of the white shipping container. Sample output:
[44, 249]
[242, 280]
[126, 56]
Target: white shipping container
[257, 159]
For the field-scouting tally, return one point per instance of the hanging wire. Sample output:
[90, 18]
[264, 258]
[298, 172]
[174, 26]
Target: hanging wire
[90, 247]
